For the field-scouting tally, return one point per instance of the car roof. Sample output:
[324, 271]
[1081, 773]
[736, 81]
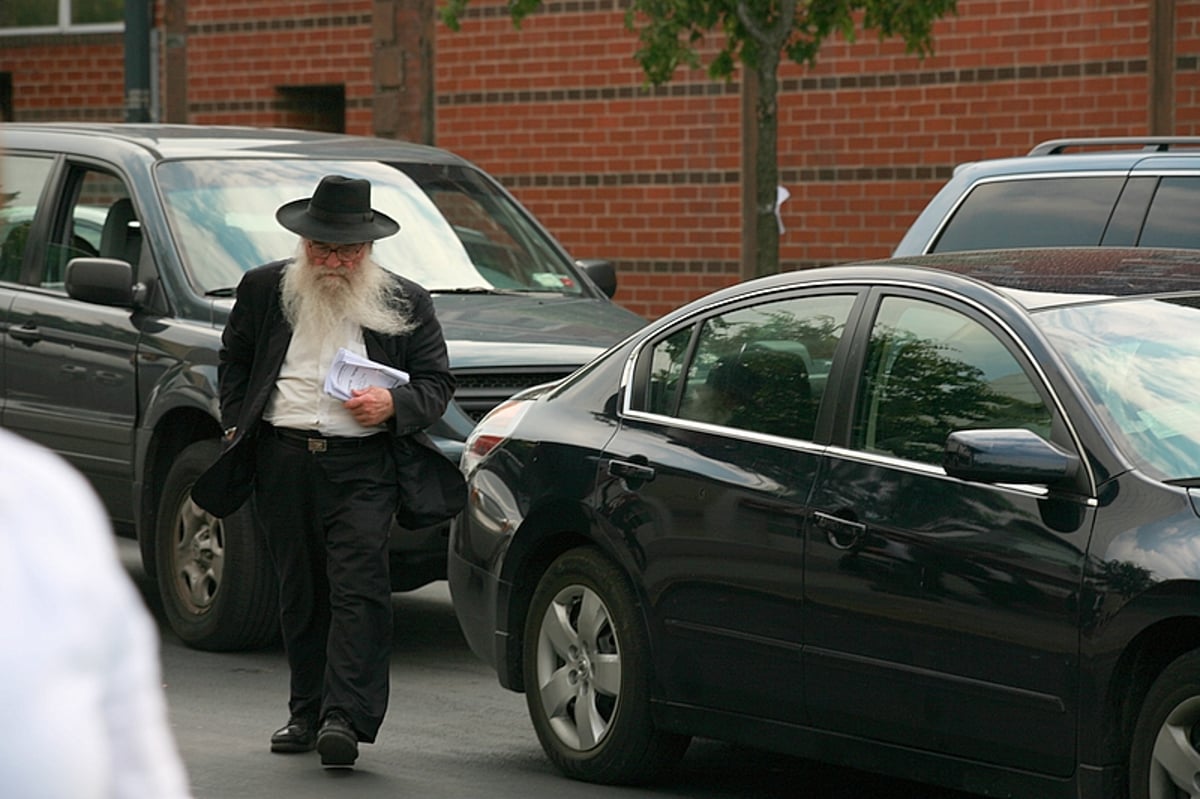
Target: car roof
[1117, 154]
[217, 141]
[1034, 278]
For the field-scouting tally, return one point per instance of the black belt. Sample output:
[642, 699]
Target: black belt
[315, 442]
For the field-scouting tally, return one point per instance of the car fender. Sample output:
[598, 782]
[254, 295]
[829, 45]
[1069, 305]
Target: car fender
[1139, 612]
[548, 530]
[180, 406]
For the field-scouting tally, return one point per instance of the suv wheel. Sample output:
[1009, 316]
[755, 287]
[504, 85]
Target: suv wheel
[1165, 756]
[588, 674]
[214, 575]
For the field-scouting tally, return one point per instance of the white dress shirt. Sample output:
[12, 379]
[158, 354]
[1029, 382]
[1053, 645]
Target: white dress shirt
[299, 400]
[81, 699]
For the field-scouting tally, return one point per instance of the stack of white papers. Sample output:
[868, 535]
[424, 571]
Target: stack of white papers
[350, 372]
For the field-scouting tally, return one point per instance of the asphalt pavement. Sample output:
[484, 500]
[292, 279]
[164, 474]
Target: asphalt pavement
[451, 731]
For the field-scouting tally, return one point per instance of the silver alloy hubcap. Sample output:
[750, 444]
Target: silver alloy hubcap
[1175, 770]
[578, 667]
[199, 557]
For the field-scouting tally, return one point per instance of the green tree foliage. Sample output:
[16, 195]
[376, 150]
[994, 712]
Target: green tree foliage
[757, 34]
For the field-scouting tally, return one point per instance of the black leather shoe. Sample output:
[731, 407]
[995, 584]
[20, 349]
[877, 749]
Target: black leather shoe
[298, 735]
[337, 742]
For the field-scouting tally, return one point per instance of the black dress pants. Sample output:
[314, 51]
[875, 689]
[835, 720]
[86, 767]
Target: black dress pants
[327, 518]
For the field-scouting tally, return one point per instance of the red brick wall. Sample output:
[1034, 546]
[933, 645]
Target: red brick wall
[649, 178]
[78, 77]
[1187, 78]
[239, 52]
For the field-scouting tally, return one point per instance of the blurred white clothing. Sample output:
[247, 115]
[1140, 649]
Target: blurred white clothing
[82, 710]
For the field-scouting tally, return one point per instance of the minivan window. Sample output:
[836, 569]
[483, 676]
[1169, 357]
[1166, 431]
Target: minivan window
[458, 231]
[22, 181]
[1171, 221]
[1042, 212]
[99, 221]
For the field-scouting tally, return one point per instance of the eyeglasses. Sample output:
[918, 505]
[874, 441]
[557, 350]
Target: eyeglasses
[344, 252]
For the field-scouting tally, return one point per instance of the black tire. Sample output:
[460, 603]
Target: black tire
[587, 686]
[1164, 757]
[214, 575]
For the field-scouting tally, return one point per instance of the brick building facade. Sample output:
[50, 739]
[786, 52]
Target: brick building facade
[649, 178]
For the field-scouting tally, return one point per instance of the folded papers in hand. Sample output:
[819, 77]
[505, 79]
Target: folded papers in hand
[350, 372]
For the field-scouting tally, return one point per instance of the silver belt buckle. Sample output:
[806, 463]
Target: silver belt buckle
[316, 445]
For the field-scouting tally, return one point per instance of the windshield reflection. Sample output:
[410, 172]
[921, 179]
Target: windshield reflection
[1137, 361]
[458, 231]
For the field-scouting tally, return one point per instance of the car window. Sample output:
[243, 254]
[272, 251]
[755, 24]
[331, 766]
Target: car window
[1043, 212]
[98, 221]
[1171, 220]
[666, 368]
[761, 369]
[458, 230]
[931, 370]
[22, 181]
[1137, 361]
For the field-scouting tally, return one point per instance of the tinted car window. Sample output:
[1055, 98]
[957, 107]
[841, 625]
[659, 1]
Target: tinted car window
[1046, 212]
[931, 370]
[666, 369]
[22, 180]
[1171, 221]
[764, 368]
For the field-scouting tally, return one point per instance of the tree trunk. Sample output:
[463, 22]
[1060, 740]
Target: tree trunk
[766, 165]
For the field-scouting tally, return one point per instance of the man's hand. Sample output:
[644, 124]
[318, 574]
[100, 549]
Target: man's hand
[370, 406]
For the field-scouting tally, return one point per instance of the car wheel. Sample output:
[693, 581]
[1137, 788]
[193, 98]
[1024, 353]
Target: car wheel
[1165, 755]
[214, 575]
[588, 674]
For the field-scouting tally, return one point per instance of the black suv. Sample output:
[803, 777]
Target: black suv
[120, 248]
[1123, 192]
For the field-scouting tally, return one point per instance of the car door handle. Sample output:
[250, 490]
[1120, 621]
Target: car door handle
[631, 471]
[29, 334]
[842, 534]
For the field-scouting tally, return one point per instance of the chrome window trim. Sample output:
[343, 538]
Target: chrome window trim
[726, 432]
[927, 470]
[673, 321]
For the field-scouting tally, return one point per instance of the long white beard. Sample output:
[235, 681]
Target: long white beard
[323, 299]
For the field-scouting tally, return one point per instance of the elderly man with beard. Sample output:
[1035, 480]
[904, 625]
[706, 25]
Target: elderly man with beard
[325, 474]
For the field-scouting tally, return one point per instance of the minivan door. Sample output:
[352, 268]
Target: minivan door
[71, 366]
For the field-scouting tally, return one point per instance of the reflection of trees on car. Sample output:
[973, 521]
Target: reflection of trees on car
[753, 370]
[927, 391]
[815, 335]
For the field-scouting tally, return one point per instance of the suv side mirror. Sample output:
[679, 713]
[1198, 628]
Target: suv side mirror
[602, 273]
[103, 281]
[1006, 456]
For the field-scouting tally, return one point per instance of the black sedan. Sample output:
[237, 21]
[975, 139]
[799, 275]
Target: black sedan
[936, 517]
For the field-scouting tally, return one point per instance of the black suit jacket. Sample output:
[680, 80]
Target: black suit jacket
[253, 347]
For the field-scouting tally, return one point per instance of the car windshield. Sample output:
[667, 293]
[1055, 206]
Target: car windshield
[1138, 361]
[458, 230]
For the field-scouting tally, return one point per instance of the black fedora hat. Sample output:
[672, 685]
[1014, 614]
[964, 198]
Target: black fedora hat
[339, 212]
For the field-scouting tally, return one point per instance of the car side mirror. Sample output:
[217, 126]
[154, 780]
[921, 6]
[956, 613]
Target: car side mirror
[1013, 455]
[103, 281]
[602, 273]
